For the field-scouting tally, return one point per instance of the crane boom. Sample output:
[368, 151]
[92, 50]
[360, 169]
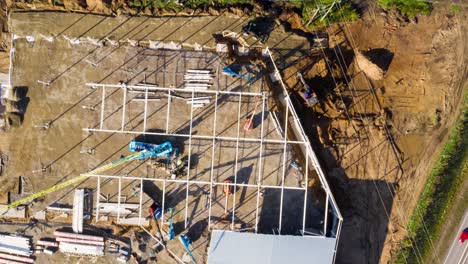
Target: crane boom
[148, 150]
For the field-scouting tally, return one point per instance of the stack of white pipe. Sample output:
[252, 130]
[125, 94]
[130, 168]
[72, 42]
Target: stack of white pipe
[198, 101]
[13, 259]
[80, 244]
[198, 79]
[80, 249]
[15, 249]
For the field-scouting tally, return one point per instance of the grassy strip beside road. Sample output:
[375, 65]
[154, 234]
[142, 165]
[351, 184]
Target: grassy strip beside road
[438, 197]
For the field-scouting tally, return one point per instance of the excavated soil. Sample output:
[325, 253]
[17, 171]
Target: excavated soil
[379, 137]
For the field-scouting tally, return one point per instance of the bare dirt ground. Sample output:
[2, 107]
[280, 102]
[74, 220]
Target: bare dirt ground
[61, 149]
[379, 137]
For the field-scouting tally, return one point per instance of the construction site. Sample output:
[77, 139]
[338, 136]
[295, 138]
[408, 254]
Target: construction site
[229, 134]
[153, 147]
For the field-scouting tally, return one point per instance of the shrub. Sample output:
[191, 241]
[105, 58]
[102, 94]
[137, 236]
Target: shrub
[410, 8]
[339, 13]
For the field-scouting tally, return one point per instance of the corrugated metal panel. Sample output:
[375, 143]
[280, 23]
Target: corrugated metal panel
[247, 248]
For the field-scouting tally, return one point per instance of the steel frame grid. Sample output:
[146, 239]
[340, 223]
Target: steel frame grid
[262, 140]
[303, 140]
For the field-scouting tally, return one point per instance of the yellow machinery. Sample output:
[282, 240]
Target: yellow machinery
[146, 151]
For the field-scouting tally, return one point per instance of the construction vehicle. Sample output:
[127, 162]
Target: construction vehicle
[308, 94]
[144, 150]
[155, 210]
[185, 240]
[229, 71]
[260, 28]
[171, 233]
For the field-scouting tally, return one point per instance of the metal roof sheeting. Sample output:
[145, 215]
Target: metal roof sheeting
[228, 247]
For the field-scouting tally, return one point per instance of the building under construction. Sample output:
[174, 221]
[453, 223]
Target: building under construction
[191, 149]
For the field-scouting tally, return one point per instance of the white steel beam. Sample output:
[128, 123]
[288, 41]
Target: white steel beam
[189, 160]
[179, 260]
[236, 161]
[118, 199]
[197, 182]
[98, 197]
[305, 193]
[325, 217]
[169, 99]
[284, 164]
[179, 90]
[146, 110]
[141, 201]
[260, 157]
[212, 159]
[103, 99]
[258, 140]
[124, 104]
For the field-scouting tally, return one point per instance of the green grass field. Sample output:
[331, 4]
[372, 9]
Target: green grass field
[438, 197]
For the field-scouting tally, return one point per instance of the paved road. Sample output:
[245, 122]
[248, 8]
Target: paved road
[458, 253]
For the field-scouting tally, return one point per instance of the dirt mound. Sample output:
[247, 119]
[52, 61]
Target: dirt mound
[370, 69]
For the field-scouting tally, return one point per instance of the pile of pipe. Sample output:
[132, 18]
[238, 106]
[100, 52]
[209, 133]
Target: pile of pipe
[198, 80]
[79, 244]
[15, 249]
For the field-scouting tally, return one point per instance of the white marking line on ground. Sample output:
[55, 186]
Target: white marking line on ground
[463, 256]
[456, 240]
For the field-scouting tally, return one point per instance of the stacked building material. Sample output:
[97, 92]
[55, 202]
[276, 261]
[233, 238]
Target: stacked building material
[15, 249]
[80, 244]
[198, 80]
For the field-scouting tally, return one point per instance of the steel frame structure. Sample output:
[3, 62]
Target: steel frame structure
[291, 125]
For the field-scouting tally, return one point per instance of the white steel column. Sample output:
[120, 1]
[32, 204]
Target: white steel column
[284, 161]
[103, 99]
[325, 217]
[163, 200]
[118, 199]
[236, 161]
[189, 160]
[124, 104]
[141, 200]
[146, 110]
[260, 163]
[98, 197]
[212, 159]
[305, 191]
[169, 99]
